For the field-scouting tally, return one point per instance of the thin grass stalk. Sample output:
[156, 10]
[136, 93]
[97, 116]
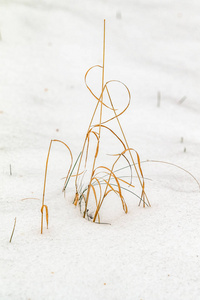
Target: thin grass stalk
[13, 230]
[119, 188]
[90, 124]
[95, 157]
[70, 175]
[117, 180]
[123, 188]
[30, 199]
[71, 160]
[131, 176]
[47, 215]
[100, 120]
[125, 176]
[45, 179]
[102, 91]
[141, 183]
[168, 163]
[99, 184]
[44, 188]
[103, 74]
[95, 196]
[112, 107]
[86, 138]
[109, 178]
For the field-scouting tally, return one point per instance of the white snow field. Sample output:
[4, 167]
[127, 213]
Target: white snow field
[46, 46]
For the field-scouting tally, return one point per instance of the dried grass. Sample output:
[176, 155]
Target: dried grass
[96, 130]
[45, 179]
[110, 181]
[103, 179]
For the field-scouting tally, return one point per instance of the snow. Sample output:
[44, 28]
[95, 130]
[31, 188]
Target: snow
[46, 47]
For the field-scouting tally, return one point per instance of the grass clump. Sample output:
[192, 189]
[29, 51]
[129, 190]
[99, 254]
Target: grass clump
[101, 186]
[102, 179]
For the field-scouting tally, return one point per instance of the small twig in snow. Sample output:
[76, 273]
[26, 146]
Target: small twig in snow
[13, 230]
[118, 15]
[182, 100]
[10, 170]
[158, 99]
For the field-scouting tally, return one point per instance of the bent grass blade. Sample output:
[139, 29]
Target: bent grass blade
[45, 179]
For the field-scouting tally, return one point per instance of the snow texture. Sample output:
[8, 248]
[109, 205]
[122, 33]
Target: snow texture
[46, 47]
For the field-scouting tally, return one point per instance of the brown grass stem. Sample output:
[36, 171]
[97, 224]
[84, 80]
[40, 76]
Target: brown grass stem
[30, 199]
[141, 181]
[45, 178]
[100, 120]
[82, 160]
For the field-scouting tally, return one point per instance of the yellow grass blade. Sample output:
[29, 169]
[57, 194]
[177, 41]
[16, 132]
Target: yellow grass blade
[108, 184]
[103, 126]
[76, 199]
[47, 217]
[95, 196]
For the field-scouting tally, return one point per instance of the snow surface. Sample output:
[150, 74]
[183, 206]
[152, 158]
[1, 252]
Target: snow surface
[46, 47]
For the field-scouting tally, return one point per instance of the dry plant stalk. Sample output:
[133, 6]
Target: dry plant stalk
[13, 230]
[102, 176]
[110, 187]
[174, 165]
[112, 182]
[45, 179]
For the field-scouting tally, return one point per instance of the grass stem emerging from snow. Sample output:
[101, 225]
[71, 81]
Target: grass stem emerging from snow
[13, 230]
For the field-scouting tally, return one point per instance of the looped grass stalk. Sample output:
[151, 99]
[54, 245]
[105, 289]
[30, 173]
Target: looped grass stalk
[123, 141]
[95, 182]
